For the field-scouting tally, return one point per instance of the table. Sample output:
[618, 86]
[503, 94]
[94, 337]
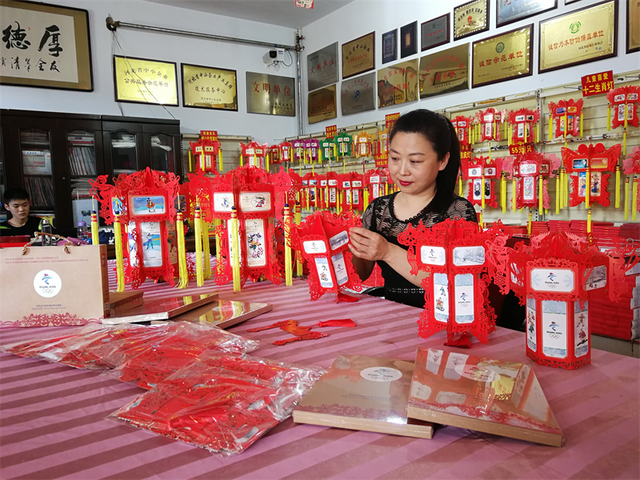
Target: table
[53, 425]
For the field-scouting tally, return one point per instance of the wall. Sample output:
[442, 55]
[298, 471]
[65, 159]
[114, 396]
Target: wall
[364, 16]
[161, 46]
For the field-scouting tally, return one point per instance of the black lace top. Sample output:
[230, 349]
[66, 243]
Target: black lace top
[380, 218]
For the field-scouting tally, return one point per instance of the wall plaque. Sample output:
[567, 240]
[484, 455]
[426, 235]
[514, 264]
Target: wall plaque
[435, 32]
[322, 67]
[358, 56]
[357, 94]
[509, 11]
[633, 26]
[45, 46]
[502, 57]
[470, 18]
[445, 71]
[322, 104]
[271, 94]
[139, 80]
[582, 36]
[208, 87]
[398, 83]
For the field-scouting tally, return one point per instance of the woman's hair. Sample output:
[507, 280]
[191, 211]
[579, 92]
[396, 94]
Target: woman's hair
[439, 131]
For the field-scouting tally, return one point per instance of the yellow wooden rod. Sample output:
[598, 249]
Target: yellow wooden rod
[117, 231]
[617, 204]
[235, 247]
[183, 273]
[198, 242]
[288, 267]
[95, 236]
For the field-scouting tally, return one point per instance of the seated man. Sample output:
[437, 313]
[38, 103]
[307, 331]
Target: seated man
[16, 201]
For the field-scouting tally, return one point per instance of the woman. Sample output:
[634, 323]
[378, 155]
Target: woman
[424, 160]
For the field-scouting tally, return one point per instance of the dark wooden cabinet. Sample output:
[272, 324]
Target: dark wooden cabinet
[53, 156]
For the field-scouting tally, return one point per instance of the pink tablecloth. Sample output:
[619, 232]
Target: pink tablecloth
[52, 416]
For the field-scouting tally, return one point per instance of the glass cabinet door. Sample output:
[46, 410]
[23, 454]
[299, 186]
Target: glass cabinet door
[81, 148]
[124, 153]
[162, 154]
[35, 148]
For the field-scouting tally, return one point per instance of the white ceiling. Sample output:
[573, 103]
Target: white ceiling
[275, 12]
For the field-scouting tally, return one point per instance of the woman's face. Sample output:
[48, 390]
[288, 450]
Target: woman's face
[414, 164]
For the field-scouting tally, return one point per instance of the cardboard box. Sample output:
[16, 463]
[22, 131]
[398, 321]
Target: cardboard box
[51, 286]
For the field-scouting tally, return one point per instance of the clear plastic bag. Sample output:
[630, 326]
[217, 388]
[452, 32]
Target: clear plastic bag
[106, 346]
[182, 343]
[221, 402]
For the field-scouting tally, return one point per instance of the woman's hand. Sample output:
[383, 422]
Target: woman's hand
[368, 245]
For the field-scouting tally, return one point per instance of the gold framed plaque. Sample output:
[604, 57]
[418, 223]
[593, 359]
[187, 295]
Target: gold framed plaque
[322, 104]
[633, 25]
[271, 94]
[502, 57]
[582, 36]
[358, 56]
[444, 72]
[209, 87]
[139, 80]
[45, 46]
[470, 18]
[398, 83]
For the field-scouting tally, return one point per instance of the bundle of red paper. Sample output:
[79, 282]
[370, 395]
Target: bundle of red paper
[220, 402]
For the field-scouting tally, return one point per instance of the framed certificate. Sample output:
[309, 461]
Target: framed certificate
[435, 32]
[502, 57]
[322, 104]
[390, 46]
[509, 11]
[139, 80]
[45, 46]
[444, 71]
[408, 40]
[322, 67]
[209, 87]
[582, 36]
[358, 56]
[470, 18]
[633, 25]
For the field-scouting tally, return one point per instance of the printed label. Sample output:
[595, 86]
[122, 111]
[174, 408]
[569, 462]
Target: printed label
[477, 374]
[255, 201]
[554, 328]
[339, 240]
[324, 273]
[47, 283]
[597, 278]
[222, 202]
[256, 249]
[152, 205]
[581, 333]
[340, 269]
[381, 374]
[441, 297]
[464, 301]
[532, 341]
[151, 250]
[477, 189]
[172, 242]
[552, 280]
[529, 188]
[433, 255]
[314, 246]
[528, 169]
[468, 256]
[133, 246]
[475, 172]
